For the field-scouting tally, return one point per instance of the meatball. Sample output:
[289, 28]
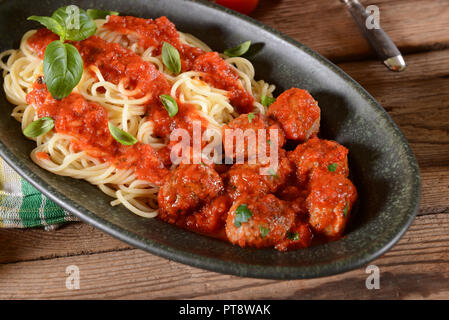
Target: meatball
[300, 236]
[295, 197]
[188, 187]
[247, 178]
[318, 153]
[246, 122]
[329, 202]
[258, 221]
[297, 112]
[211, 217]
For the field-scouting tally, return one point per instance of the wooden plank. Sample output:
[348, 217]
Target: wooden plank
[435, 190]
[327, 26]
[418, 267]
[71, 239]
[417, 100]
[79, 238]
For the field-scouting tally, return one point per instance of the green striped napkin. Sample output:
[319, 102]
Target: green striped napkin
[22, 206]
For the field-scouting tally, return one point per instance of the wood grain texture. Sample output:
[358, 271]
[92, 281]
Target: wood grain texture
[417, 100]
[417, 267]
[69, 240]
[327, 26]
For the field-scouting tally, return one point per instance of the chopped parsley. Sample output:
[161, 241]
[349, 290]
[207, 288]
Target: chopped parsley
[345, 211]
[332, 167]
[272, 173]
[293, 236]
[266, 101]
[263, 231]
[250, 117]
[242, 214]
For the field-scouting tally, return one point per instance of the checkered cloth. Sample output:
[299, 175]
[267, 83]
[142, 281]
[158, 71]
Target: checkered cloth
[22, 206]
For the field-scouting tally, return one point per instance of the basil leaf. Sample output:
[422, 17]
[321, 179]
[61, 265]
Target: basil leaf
[242, 214]
[332, 167]
[49, 23]
[39, 127]
[293, 236]
[241, 49]
[250, 117]
[76, 22]
[171, 58]
[263, 231]
[253, 50]
[121, 136]
[100, 14]
[266, 101]
[170, 104]
[63, 68]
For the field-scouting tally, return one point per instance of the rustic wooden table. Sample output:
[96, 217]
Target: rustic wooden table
[33, 262]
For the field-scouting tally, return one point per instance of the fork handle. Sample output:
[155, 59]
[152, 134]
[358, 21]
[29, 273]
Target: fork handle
[377, 38]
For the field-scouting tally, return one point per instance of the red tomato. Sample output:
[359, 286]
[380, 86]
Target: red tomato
[242, 6]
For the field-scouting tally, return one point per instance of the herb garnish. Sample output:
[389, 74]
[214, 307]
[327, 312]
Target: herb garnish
[293, 236]
[39, 127]
[332, 167]
[250, 117]
[121, 136]
[238, 51]
[263, 231]
[272, 173]
[345, 211]
[100, 14]
[170, 104]
[242, 214]
[63, 66]
[266, 101]
[171, 58]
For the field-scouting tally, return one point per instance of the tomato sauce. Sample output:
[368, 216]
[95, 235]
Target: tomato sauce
[40, 40]
[87, 123]
[42, 155]
[216, 72]
[120, 65]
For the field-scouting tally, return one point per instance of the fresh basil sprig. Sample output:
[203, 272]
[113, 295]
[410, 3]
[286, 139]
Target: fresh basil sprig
[266, 101]
[171, 58]
[63, 66]
[121, 136]
[69, 23]
[238, 51]
[100, 14]
[39, 127]
[170, 104]
[242, 214]
[76, 23]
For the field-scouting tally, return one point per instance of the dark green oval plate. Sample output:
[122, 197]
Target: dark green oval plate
[383, 167]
